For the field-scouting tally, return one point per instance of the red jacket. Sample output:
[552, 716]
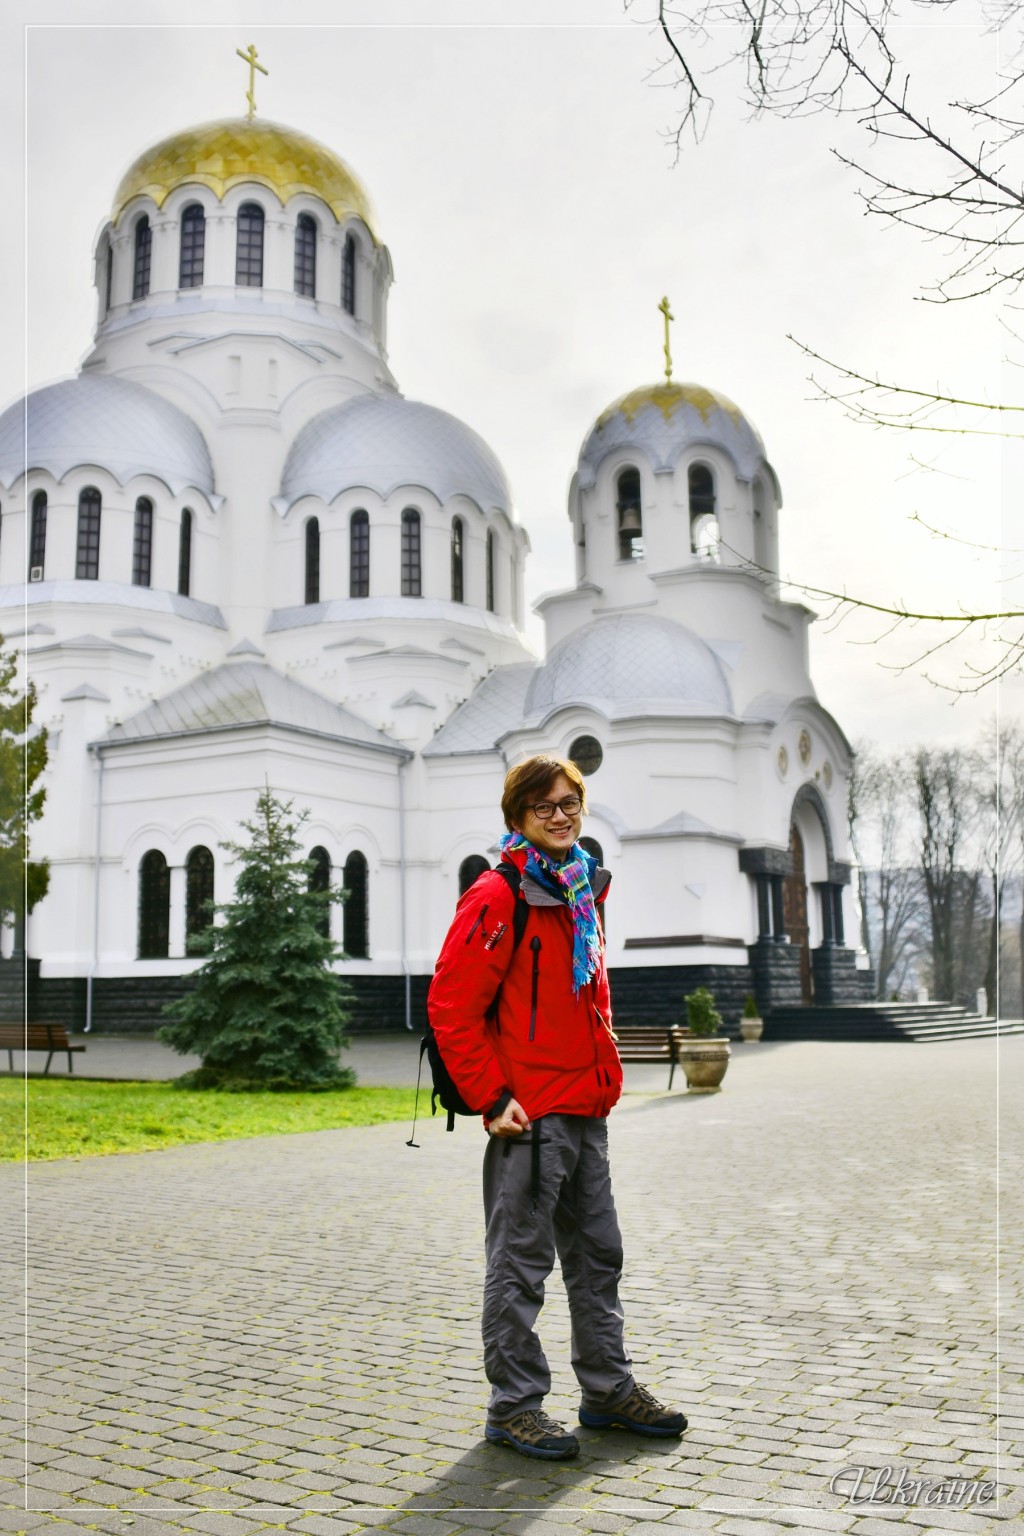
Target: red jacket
[552, 1048]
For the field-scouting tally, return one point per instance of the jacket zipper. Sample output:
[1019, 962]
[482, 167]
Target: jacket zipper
[481, 919]
[535, 946]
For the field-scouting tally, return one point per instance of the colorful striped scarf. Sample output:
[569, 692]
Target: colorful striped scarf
[571, 881]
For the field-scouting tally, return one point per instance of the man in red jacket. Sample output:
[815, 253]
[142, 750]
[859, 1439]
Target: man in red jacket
[525, 1032]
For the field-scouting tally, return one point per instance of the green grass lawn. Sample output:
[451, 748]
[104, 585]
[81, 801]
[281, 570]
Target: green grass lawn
[76, 1117]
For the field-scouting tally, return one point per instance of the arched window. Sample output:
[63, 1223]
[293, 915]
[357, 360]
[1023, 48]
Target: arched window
[703, 521]
[87, 557]
[198, 893]
[109, 278]
[193, 247]
[320, 880]
[355, 926]
[760, 527]
[312, 560]
[143, 254]
[142, 549]
[154, 906]
[359, 555]
[470, 870]
[348, 276]
[305, 256]
[457, 582]
[37, 542]
[185, 553]
[411, 582]
[629, 515]
[249, 249]
[489, 559]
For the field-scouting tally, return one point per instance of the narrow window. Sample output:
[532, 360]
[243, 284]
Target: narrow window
[470, 870]
[193, 247]
[320, 880]
[249, 251]
[355, 927]
[305, 256]
[109, 279]
[142, 550]
[348, 276]
[185, 554]
[37, 545]
[595, 850]
[313, 560]
[703, 521]
[359, 555]
[198, 893]
[87, 558]
[143, 254]
[457, 583]
[411, 585]
[630, 517]
[154, 906]
[490, 570]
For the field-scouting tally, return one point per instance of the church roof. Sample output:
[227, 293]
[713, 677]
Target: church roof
[662, 420]
[248, 693]
[629, 664]
[384, 441]
[222, 154]
[495, 707]
[107, 423]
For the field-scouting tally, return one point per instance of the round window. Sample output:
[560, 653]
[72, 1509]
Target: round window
[586, 753]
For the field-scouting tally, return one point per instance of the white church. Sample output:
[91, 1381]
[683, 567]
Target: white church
[233, 553]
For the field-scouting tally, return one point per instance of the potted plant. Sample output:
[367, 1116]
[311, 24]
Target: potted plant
[705, 1056]
[751, 1022]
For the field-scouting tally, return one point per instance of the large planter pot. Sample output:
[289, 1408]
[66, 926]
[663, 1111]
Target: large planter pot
[705, 1063]
[751, 1029]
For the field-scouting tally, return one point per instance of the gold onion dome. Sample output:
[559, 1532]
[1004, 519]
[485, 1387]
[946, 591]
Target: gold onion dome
[666, 419]
[223, 154]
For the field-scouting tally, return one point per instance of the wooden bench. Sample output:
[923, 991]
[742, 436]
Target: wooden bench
[37, 1037]
[652, 1043]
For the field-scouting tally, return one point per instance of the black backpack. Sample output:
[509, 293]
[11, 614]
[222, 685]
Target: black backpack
[444, 1091]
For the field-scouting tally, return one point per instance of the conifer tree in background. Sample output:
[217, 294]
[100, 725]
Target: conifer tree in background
[23, 754]
[266, 1009]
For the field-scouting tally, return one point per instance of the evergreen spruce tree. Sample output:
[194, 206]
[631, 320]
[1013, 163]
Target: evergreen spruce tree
[266, 1010]
[23, 753]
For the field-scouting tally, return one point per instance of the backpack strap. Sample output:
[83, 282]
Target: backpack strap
[520, 916]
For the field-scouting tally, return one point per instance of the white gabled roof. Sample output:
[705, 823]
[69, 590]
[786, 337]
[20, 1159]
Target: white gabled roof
[248, 693]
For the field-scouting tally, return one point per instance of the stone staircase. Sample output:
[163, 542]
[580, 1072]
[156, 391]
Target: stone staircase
[885, 1021]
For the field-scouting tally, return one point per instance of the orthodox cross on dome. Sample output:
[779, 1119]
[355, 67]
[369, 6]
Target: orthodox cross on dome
[663, 306]
[250, 58]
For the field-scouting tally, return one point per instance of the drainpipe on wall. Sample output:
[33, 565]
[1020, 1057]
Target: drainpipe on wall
[401, 892]
[94, 747]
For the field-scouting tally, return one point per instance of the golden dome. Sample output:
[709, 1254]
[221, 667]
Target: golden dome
[220, 155]
[668, 398]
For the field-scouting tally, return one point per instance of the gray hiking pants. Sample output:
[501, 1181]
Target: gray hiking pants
[575, 1215]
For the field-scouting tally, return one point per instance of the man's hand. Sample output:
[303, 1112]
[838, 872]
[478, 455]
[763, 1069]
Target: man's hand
[512, 1121]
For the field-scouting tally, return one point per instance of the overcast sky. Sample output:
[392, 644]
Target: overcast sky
[535, 217]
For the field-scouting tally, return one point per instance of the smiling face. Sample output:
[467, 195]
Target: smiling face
[556, 835]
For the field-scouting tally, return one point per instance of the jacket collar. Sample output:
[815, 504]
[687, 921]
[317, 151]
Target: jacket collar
[539, 896]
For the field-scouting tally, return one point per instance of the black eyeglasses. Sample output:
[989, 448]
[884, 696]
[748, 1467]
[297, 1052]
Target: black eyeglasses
[570, 806]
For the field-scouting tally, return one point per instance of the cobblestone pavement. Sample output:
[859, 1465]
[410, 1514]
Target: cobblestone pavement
[283, 1333]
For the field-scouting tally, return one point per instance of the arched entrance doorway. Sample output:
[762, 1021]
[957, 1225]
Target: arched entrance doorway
[794, 910]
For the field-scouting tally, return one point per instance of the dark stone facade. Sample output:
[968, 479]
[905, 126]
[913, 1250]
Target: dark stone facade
[776, 970]
[19, 990]
[837, 979]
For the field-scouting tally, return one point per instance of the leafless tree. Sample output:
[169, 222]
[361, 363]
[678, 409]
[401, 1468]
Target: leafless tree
[943, 784]
[892, 907]
[949, 175]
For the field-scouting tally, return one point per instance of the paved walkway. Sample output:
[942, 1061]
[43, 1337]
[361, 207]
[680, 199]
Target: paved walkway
[283, 1333]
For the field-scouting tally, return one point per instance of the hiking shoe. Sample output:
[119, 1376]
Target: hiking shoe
[533, 1433]
[639, 1412]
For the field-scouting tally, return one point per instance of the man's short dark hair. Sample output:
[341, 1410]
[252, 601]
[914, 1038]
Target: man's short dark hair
[528, 782]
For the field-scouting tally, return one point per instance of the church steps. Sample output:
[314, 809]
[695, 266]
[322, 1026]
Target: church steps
[909, 1022]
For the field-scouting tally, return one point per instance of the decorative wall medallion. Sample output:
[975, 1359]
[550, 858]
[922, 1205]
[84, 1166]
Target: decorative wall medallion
[783, 761]
[804, 747]
[826, 774]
